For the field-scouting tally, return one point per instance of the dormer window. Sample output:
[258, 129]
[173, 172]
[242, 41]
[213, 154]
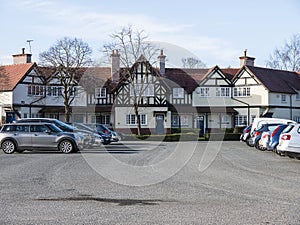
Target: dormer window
[178, 93]
[100, 92]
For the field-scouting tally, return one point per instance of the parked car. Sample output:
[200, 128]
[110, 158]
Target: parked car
[289, 141]
[17, 137]
[274, 138]
[246, 133]
[261, 120]
[114, 136]
[254, 140]
[88, 136]
[97, 138]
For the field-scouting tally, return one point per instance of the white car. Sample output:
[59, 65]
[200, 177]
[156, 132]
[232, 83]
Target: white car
[264, 140]
[289, 141]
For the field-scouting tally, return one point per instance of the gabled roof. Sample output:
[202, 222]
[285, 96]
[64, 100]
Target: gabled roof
[280, 81]
[185, 78]
[230, 72]
[11, 75]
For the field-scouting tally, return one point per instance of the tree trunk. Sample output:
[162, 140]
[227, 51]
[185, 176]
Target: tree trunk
[67, 113]
[138, 119]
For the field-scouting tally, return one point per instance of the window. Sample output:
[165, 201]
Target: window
[241, 120]
[38, 128]
[298, 96]
[103, 119]
[36, 90]
[297, 119]
[223, 92]
[203, 91]
[178, 93]
[180, 120]
[224, 119]
[175, 120]
[283, 98]
[100, 92]
[145, 89]
[132, 120]
[54, 90]
[184, 121]
[241, 91]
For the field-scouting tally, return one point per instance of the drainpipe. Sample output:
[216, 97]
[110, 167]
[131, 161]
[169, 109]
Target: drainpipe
[291, 107]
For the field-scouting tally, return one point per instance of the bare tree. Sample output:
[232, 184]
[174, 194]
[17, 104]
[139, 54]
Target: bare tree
[191, 63]
[133, 47]
[67, 55]
[287, 57]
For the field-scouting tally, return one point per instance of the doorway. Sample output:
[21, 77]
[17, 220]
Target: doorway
[160, 123]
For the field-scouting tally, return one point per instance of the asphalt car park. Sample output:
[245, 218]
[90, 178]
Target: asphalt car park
[217, 183]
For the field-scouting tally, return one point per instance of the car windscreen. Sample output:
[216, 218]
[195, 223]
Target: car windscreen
[63, 126]
[54, 128]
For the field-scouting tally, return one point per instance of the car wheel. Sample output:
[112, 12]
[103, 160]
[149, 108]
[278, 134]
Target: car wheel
[8, 147]
[257, 146]
[65, 146]
[248, 142]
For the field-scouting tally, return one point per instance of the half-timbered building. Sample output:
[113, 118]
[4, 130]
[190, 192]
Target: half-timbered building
[161, 98]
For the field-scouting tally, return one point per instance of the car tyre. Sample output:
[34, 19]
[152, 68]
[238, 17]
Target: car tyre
[66, 146]
[8, 146]
[248, 143]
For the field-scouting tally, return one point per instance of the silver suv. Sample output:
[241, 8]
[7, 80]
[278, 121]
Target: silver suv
[17, 137]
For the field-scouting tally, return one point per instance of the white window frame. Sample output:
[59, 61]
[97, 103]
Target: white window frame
[223, 92]
[241, 92]
[241, 120]
[35, 90]
[100, 92]
[283, 98]
[203, 91]
[298, 96]
[225, 119]
[178, 92]
[132, 120]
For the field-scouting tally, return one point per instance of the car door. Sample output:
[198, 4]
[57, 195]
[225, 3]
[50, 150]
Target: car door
[41, 138]
[22, 135]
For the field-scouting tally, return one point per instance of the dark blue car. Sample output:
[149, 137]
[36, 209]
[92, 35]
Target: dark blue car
[274, 138]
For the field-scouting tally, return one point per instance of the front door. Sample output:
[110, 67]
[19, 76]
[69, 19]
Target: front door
[160, 127]
[200, 125]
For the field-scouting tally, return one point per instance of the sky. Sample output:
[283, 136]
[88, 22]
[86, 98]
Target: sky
[216, 32]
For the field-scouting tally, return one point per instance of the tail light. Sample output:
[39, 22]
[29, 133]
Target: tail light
[265, 136]
[247, 131]
[257, 133]
[286, 137]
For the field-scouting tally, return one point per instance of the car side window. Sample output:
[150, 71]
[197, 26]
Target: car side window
[38, 128]
[9, 128]
[22, 128]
